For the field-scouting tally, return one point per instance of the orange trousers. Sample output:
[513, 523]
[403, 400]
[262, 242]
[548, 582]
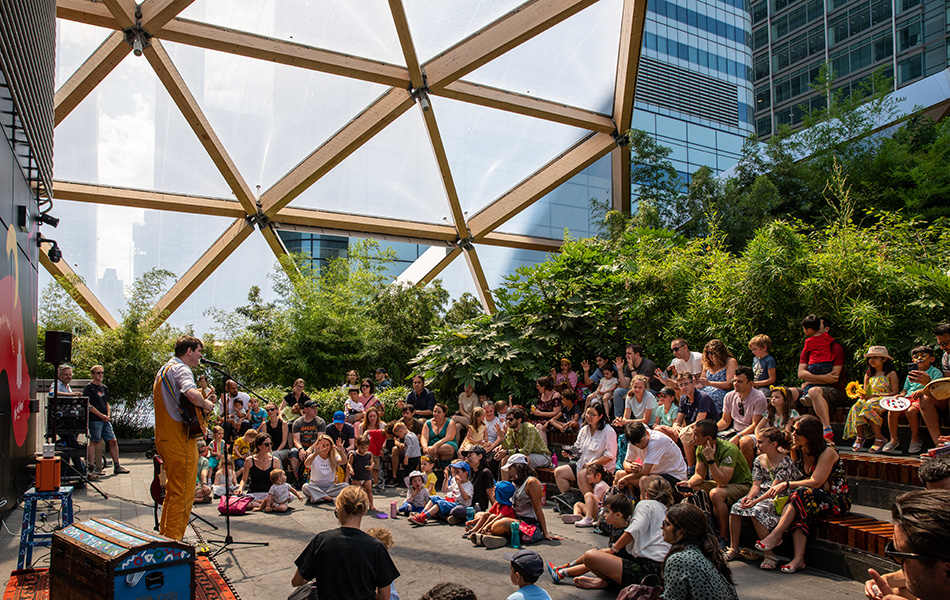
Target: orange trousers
[179, 453]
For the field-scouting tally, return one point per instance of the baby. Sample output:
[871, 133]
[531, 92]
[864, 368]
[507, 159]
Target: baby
[417, 496]
[278, 497]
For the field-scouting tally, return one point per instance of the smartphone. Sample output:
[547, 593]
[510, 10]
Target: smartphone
[911, 367]
[684, 488]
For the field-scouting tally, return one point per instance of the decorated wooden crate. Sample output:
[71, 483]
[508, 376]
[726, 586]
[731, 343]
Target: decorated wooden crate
[104, 559]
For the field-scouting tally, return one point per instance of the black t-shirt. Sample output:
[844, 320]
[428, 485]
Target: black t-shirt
[98, 398]
[309, 430]
[423, 401]
[346, 564]
[290, 400]
[482, 481]
[346, 434]
[568, 414]
[647, 368]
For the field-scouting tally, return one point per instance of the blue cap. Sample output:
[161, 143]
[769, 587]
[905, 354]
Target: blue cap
[461, 464]
[339, 417]
[504, 490]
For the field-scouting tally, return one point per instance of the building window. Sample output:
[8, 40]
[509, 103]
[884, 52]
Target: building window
[760, 11]
[910, 68]
[763, 98]
[908, 34]
[763, 127]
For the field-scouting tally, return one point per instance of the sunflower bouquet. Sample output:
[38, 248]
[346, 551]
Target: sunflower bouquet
[855, 390]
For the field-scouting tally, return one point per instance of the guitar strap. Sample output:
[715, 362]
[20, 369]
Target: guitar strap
[167, 386]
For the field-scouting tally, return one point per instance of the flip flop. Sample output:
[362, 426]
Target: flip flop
[790, 569]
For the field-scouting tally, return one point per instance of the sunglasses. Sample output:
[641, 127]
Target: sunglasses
[364, 386]
[900, 557]
[796, 431]
[271, 410]
[675, 349]
[741, 407]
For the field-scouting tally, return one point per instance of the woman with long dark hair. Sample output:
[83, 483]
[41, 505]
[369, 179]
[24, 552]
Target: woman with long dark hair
[694, 569]
[596, 443]
[823, 492]
[526, 502]
[719, 367]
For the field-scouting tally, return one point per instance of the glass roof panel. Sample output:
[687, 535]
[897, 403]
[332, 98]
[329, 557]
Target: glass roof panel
[490, 150]
[436, 26]
[269, 116]
[457, 279]
[393, 175]
[498, 262]
[567, 207]
[75, 42]
[128, 132]
[574, 62]
[110, 246]
[361, 28]
[227, 288]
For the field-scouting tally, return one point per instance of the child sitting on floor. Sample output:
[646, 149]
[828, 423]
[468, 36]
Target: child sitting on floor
[417, 496]
[218, 487]
[360, 468]
[426, 465]
[585, 512]
[501, 509]
[278, 497]
[458, 492]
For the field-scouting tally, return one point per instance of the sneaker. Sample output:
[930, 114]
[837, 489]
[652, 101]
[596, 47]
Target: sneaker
[552, 571]
[585, 522]
[119, 470]
[391, 482]
[419, 519]
[571, 518]
[92, 475]
[453, 520]
[494, 541]
[914, 448]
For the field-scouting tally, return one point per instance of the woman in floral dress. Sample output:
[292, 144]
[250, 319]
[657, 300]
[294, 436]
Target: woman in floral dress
[823, 492]
[772, 466]
[718, 369]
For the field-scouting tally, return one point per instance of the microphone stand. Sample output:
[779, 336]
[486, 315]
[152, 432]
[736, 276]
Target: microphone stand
[228, 540]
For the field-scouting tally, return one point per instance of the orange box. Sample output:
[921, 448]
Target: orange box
[47, 474]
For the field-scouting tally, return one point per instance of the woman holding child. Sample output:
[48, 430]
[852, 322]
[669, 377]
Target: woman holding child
[526, 502]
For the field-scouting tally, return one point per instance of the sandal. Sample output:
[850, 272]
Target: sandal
[858, 444]
[730, 554]
[747, 554]
[877, 447]
[769, 563]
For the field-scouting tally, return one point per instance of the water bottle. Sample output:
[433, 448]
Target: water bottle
[554, 460]
[470, 512]
[515, 534]
[392, 509]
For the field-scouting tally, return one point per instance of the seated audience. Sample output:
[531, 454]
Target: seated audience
[449, 591]
[360, 468]
[439, 435]
[420, 398]
[639, 404]
[742, 411]
[780, 413]
[548, 405]
[569, 419]
[592, 380]
[526, 502]
[280, 493]
[824, 392]
[695, 406]
[566, 375]
[930, 404]
[457, 490]
[866, 415]
[650, 455]
[764, 367]
[585, 513]
[257, 469]
[417, 496]
[477, 434]
[606, 386]
[468, 400]
[635, 364]
[667, 408]
[480, 525]
[923, 359]
[719, 367]
[935, 473]
[399, 444]
[294, 402]
[526, 569]
[326, 480]
[523, 438]
[280, 434]
[822, 493]
[203, 490]
[382, 379]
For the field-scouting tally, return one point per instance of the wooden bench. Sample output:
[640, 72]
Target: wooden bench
[886, 468]
[856, 531]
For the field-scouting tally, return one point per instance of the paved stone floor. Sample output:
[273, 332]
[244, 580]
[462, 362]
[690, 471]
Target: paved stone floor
[425, 556]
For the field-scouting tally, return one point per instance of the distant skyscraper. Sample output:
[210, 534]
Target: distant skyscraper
[792, 38]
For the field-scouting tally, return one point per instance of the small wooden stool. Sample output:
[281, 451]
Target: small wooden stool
[28, 536]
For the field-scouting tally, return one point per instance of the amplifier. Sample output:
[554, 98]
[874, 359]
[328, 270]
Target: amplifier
[104, 559]
[70, 415]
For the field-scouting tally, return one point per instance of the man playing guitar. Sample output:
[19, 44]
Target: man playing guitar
[176, 444]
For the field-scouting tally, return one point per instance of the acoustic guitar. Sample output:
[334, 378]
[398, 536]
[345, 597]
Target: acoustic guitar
[192, 417]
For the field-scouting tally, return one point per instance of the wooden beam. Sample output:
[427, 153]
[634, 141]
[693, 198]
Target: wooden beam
[548, 177]
[386, 109]
[290, 267]
[631, 40]
[156, 13]
[86, 11]
[620, 179]
[405, 40]
[484, 95]
[521, 242]
[123, 11]
[498, 37]
[105, 58]
[178, 90]
[83, 296]
[481, 283]
[438, 268]
[445, 172]
[222, 248]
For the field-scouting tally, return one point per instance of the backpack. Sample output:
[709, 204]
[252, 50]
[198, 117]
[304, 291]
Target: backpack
[642, 591]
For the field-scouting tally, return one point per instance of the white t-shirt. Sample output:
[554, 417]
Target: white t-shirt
[694, 365]
[646, 527]
[245, 399]
[754, 404]
[492, 434]
[321, 471]
[638, 409]
[453, 491]
[606, 384]
[662, 453]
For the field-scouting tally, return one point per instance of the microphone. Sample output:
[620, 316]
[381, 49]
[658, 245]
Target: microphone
[205, 361]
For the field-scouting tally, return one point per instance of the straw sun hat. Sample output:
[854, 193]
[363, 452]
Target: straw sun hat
[878, 351]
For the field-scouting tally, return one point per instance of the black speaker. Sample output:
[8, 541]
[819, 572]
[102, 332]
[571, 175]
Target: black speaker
[59, 347]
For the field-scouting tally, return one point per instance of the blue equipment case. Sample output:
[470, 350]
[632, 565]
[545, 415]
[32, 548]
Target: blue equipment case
[104, 559]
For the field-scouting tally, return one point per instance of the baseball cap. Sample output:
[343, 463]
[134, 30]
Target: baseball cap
[382, 370]
[528, 561]
[461, 464]
[504, 490]
[339, 417]
[516, 459]
[667, 392]
[310, 404]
